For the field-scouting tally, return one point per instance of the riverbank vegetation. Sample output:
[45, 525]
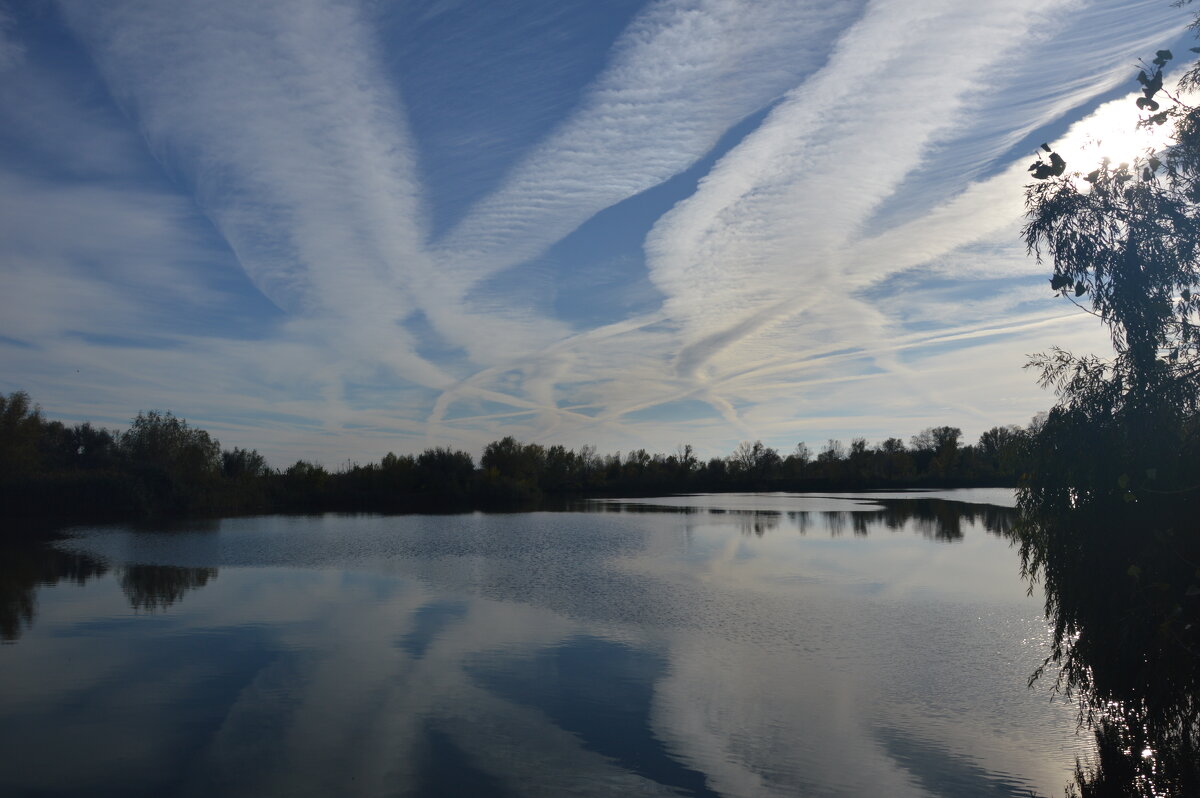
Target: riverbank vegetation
[1111, 496]
[163, 466]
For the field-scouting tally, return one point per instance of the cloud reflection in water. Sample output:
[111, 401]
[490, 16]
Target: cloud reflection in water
[750, 652]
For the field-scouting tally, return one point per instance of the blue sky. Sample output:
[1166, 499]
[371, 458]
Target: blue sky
[336, 229]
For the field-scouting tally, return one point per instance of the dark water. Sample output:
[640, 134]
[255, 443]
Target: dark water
[733, 645]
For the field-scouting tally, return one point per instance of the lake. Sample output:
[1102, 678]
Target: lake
[711, 645]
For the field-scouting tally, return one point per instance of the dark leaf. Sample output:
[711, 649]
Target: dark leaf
[1046, 147]
[1041, 171]
[1146, 104]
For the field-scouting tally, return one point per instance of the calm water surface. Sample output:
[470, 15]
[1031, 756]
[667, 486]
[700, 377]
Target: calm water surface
[717, 645]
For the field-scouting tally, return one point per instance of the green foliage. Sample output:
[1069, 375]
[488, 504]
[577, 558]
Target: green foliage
[516, 468]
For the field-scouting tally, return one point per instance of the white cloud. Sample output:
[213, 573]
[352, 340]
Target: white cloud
[280, 117]
[678, 78]
[814, 274]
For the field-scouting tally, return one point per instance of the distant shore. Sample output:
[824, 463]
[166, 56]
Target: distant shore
[161, 468]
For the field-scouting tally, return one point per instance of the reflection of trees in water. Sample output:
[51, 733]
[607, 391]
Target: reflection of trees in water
[29, 565]
[589, 506]
[156, 587]
[1122, 586]
[938, 519]
[24, 567]
[935, 519]
[1141, 754]
[756, 522]
[1136, 679]
[801, 520]
[835, 522]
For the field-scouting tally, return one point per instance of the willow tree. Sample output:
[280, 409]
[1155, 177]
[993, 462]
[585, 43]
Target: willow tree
[1111, 500]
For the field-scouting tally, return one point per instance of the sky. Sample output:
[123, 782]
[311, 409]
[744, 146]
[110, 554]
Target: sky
[330, 229]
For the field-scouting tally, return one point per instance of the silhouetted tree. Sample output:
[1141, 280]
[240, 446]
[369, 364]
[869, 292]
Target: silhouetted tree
[754, 461]
[178, 464]
[20, 427]
[444, 472]
[238, 463]
[1000, 449]
[514, 460]
[858, 460]
[830, 462]
[1112, 491]
[304, 485]
[795, 465]
[935, 449]
[685, 460]
[894, 461]
[715, 470]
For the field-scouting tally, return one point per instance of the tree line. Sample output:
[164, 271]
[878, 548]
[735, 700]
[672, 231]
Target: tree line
[163, 466]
